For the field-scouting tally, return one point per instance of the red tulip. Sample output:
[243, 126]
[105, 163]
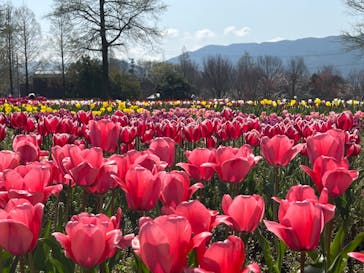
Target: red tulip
[196, 158]
[127, 134]
[18, 120]
[2, 132]
[67, 125]
[233, 164]
[147, 136]
[245, 211]
[20, 223]
[300, 223]
[91, 239]
[84, 117]
[252, 138]
[31, 182]
[163, 243]
[210, 142]
[51, 123]
[331, 174]
[176, 188]
[104, 134]
[330, 143]
[226, 257]
[345, 120]
[164, 148]
[63, 139]
[192, 132]
[279, 150]
[141, 187]
[233, 129]
[357, 255]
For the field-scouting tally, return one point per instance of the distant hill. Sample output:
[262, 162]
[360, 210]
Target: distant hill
[317, 52]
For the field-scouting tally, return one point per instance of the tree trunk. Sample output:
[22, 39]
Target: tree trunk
[104, 50]
[62, 65]
[26, 59]
[10, 50]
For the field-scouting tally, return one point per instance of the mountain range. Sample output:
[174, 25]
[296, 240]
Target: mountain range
[317, 53]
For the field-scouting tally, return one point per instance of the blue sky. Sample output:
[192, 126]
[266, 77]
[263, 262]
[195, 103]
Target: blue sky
[191, 24]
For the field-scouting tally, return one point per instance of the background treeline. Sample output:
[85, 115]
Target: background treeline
[82, 62]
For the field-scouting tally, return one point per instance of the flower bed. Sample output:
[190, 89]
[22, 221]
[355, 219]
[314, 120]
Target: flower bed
[181, 186]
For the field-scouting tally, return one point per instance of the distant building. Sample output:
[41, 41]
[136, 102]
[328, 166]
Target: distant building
[47, 84]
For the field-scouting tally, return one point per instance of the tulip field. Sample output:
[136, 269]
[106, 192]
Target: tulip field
[197, 186]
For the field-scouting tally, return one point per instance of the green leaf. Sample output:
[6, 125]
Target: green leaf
[272, 265]
[336, 244]
[282, 251]
[341, 259]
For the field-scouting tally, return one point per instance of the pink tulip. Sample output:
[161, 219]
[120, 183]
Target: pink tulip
[246, 212]
[196, 158]
[27, 147]
[176, 188]
[163, 243]
[104, 134]
[301, 222]
[233, 164]
[357, 255]
[91, 239]
[279, 150]
[31, 182]
[82, 166]
[330, 143]
[329, 173]
[164, 148]
[106, 178]
[226, 257]
[141, 187]
[201, 218]
[300, 193]
[20, 223]
[8, 160]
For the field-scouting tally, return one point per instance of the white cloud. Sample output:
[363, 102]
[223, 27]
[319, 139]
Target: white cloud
[276, 39]
[204, 34]
[239, 32]
[170, 33]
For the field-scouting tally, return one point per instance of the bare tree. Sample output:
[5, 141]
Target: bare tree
[61, 39]
[218, 74]
[355, 37]
[189, 70]
[8, 34]
[247, 77]
[356, 79]
[105, 24]
[272, 74]
[29, 38]
[297, 74]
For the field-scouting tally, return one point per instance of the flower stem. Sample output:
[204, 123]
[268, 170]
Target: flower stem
[303, 261]
[327, 240]
[22, 266]
[275, 191]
